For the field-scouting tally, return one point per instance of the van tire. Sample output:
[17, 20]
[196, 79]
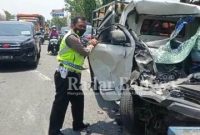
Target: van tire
[129, 119]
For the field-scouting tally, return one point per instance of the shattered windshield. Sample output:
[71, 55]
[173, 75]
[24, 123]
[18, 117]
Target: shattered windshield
[176, 59]
[175, 51]
[169, 55]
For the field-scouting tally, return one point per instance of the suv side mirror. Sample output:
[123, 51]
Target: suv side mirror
[118, 37]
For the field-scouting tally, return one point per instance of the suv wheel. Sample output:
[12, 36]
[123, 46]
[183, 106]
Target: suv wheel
[38, 55]
[34, 63]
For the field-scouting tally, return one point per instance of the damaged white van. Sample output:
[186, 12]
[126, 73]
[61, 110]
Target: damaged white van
[148, 59]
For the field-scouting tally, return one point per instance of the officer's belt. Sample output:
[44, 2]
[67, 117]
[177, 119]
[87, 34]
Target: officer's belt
[72, 65]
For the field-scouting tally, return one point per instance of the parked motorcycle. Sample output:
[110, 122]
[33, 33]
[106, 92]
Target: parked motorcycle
[54, 45]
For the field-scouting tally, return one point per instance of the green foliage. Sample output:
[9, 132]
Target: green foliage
[75, 7]
[89, 6]
[48, 22]
[9, 15]
[106, 1]
[59, 22]
[82, 7]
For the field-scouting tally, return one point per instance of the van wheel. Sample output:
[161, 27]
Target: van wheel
[129, 117]
[125, 132]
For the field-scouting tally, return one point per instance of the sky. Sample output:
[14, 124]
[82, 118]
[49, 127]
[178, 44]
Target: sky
[43, 7]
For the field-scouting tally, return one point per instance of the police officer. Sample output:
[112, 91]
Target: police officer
[67, 78]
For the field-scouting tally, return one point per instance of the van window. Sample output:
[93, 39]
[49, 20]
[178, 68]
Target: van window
[159, 28]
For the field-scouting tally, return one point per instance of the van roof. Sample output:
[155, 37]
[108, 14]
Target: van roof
[164, 7]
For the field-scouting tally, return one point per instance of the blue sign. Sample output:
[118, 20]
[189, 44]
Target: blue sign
[57, 12]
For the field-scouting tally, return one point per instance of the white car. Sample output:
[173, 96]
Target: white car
[144, 60]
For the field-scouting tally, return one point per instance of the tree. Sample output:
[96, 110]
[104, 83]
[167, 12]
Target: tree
[89, 6]
[48, 22]
[106, 1]
[81, 7]
[59, 22]
[9, 15]
[75, 7]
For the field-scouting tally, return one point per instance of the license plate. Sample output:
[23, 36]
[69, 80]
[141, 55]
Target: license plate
[6, 57]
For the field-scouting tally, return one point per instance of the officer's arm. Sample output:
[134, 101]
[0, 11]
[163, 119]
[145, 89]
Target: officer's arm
[73, 42]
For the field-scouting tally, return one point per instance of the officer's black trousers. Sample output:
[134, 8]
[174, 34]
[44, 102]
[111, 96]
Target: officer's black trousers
[67, 90]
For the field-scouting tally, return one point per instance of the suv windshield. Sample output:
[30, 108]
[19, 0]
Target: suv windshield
[15, 29]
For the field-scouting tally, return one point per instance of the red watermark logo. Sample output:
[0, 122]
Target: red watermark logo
[6, 46]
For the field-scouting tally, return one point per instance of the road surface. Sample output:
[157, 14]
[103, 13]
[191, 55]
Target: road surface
[26, 97]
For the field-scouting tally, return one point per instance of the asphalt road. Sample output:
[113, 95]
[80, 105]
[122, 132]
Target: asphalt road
[26, 97]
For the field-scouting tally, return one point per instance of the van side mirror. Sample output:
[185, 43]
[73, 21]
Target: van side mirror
[118, 37]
